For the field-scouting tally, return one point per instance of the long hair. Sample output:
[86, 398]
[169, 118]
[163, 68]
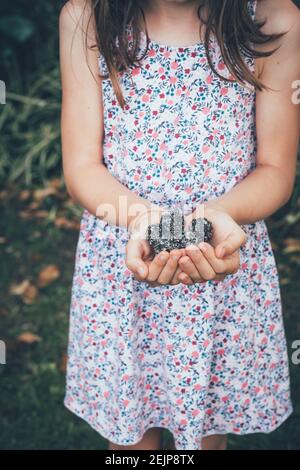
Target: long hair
[230, 21]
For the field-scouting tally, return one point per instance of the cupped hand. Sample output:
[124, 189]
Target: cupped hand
[220, 257]
[162, 269]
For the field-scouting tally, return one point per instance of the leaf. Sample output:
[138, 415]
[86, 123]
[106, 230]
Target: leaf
[30, 294]
[48, 275]
[292, 245]
[63, 222]
[63, 363]
[24, 195]
[40, 194]
[18, 28]
[28, 338]
[19, 289]
[55, 183]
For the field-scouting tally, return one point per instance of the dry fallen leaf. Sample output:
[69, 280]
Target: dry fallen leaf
[63, 222]
[19, 289]
[26, 290]
[55, 183]
[292, 245]
[24, 195]
[40, 194]
[28, 338]
[30, 294]
[63, 363]
[41, 214]
[33, 205]
[48, 275]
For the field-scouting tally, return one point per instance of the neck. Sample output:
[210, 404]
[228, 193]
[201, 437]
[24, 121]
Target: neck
[170, 19]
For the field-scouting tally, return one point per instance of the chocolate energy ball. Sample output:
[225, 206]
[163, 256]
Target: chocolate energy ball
[169, 234]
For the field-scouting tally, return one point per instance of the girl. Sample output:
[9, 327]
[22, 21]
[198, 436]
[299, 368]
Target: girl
[185, 104]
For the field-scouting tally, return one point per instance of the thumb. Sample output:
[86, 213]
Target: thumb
[135, 251]
[231, 243]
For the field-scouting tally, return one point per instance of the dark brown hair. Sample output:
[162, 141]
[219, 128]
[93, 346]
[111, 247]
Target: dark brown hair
[229, 20]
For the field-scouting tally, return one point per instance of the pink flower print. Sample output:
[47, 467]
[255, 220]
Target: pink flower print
[126, 403]
[151, 53]
[205, 148]
[209, 79]
[205, 111]
[195, 412]
[106, 394]
[145, 98]
[139, 134]
[173, 80]
[163, 146]
[224, 91]
[184, 422]
[136, 71]
[174, 65]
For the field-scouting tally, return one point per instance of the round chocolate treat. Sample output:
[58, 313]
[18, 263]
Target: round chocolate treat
[169, 234]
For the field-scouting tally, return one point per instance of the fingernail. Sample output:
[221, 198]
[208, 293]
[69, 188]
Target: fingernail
[141, 271]
[203, 247]
[162, 257]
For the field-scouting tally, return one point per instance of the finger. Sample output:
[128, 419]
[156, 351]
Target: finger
[220, 277]
[157, 265]
[208, 251]
[188, 267]
[153, 284]
[170, 268]
[185, 279]
[232, 243]
[204, 268]
[228, 265]
[134, 261]
[176, 279]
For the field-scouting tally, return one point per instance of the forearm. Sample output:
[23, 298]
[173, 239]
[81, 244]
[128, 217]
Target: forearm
[94, 188]
[256, 197]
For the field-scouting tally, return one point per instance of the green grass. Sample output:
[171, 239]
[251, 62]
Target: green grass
[32, 383]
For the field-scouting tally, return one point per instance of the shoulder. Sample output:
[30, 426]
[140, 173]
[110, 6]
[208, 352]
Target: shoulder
[280, 16]
[72, 12]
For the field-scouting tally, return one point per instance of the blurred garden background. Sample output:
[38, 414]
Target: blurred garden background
[38, 234]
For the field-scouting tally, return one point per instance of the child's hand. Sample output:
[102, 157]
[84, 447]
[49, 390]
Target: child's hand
[221, 257]
[163, 269]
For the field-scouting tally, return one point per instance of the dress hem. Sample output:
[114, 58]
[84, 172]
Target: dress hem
[221, 431]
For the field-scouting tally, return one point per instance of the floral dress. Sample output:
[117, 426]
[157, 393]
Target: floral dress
[198, 360]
